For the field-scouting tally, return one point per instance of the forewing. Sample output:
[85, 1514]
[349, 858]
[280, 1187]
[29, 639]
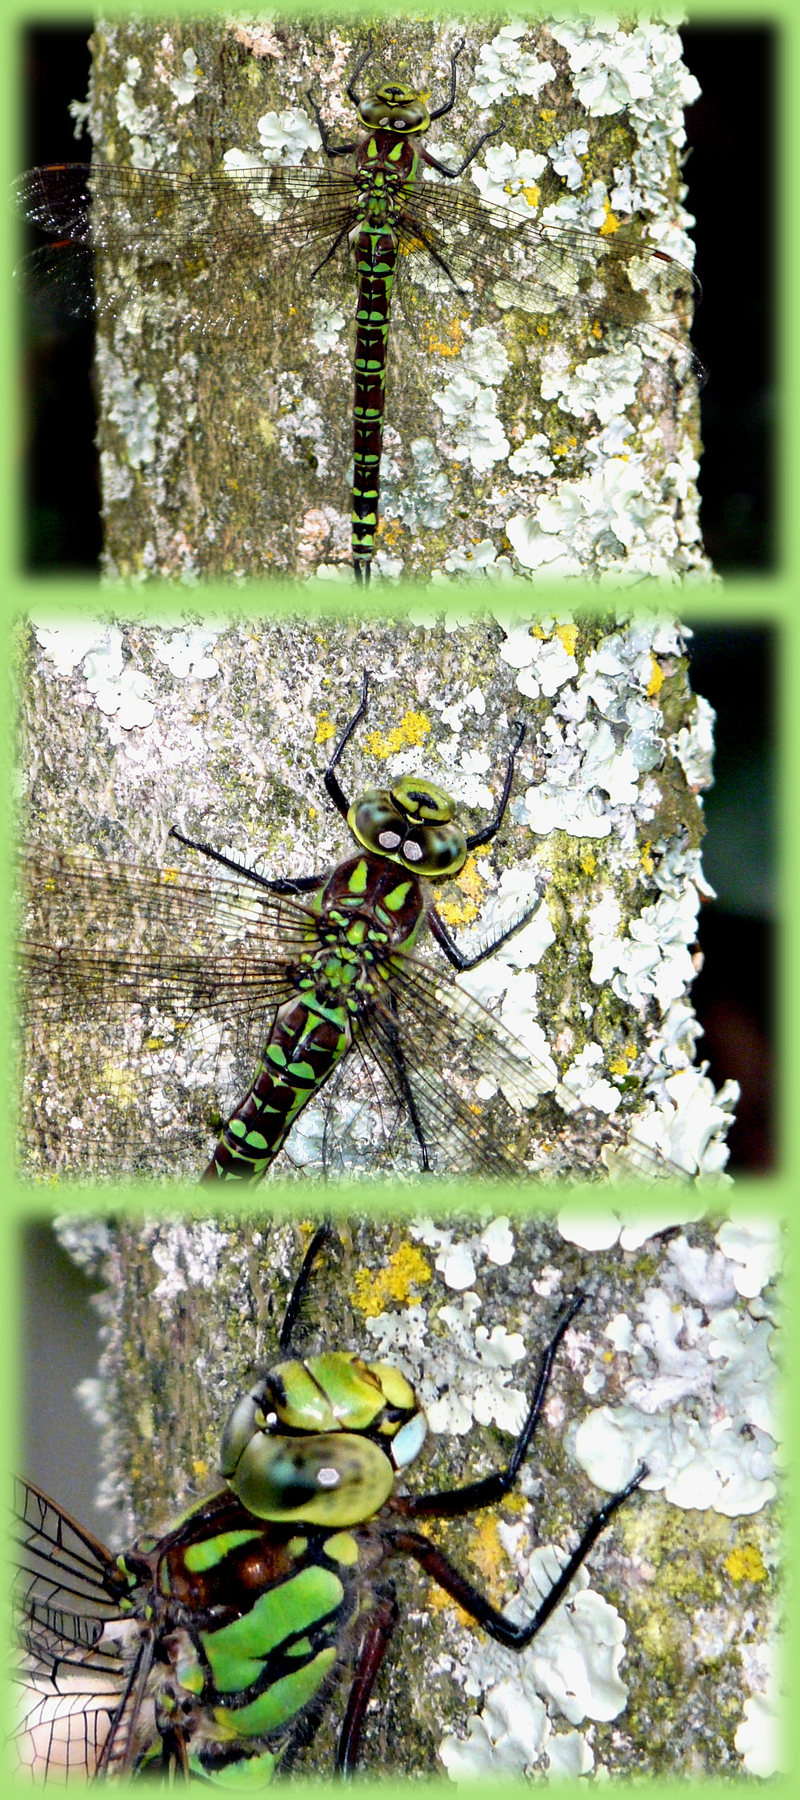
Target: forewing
[68, 1596]
[145, 997]
[201, 251]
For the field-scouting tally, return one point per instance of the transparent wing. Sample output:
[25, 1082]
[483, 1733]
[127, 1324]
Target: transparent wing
[219, 238]
[145, 997]
[619, 276]
[68, 1598]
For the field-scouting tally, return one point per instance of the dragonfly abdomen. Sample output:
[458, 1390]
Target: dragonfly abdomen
[306, 1043]
[377, 259]
[369, 913]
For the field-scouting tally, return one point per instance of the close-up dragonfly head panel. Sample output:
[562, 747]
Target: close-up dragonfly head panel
[511, 1513]
[363, 898]
[521, 287]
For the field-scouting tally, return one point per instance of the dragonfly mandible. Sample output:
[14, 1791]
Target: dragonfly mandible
[195, 986]
[201, 252]
[209, 1651]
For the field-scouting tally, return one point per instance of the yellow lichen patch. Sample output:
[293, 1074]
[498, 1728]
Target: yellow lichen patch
[325, 729]
[646, 859]
[490, 1558]
[200, 1468]
[569, 637]
[462, 912]
[563, 449]
[405, 1273]
[619, 1064]
[411, 731]
[588, 862]
[455, 343]
[610, 222]
[439, 1601]
[746, 1563]
[266, 430]
[656, 678]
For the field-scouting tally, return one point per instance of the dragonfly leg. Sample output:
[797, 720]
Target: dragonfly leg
[322, 1236]
[452, 1502]
[298, 884]
[332, 787]
[449, 104]
[329, 148]
[376, 1639]
[351, 85]
[503, 1630]
[447, 942]
[490, 830]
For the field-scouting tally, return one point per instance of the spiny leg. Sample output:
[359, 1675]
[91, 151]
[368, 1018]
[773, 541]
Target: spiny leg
[332, 787]
[451, 1502]
[322, 1236]
[375, 1642]
[503, 1630]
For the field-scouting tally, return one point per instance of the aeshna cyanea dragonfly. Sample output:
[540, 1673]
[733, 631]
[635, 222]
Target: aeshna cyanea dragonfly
[205, 253]
[211, 1650]
[194, 986]
[159, 1007]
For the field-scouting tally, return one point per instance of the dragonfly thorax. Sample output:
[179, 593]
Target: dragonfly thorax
[395, 107]
[412, 824]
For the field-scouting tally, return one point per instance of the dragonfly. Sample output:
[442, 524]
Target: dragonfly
[196, 984]
[208, 1652]
[201, 252]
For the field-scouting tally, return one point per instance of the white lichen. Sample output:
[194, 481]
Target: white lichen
[700, 1396]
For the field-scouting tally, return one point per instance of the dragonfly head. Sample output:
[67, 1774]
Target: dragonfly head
[322, 1440]
[411, 824]
[395, 107]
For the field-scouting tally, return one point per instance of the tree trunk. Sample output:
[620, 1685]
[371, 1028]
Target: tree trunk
[511, 445]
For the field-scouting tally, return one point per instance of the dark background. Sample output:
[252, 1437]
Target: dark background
[730, 171]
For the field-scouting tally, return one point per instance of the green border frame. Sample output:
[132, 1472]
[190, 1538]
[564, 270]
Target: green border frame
[771, 599]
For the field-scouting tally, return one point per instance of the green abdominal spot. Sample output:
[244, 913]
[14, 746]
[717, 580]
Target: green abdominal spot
[281, 1701]
[243, 1772]
[211, 1551]
[237, 1652]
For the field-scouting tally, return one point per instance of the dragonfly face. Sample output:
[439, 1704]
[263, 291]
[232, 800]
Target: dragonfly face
[412, 824]
[395, 108]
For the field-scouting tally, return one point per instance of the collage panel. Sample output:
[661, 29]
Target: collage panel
[601, 1384]
[361, 899]
[526, 401]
